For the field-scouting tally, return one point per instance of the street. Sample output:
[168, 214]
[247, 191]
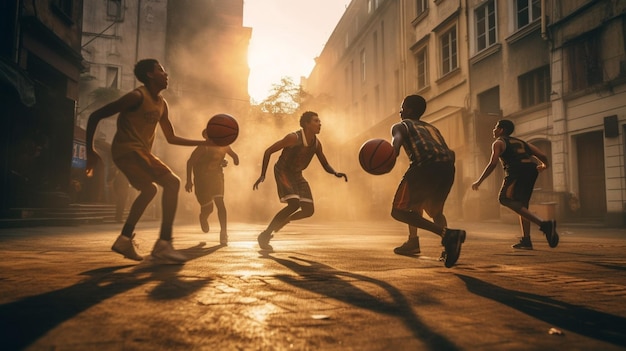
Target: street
[326, 286]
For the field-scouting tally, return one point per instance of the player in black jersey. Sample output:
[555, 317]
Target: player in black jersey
[298, 148]
[521, 170]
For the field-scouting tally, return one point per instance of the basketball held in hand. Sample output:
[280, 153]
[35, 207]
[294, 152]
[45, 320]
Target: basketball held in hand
[222, 129]
[377, 156]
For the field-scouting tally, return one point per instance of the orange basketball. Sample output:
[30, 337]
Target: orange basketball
[377, 156]
[222, 129]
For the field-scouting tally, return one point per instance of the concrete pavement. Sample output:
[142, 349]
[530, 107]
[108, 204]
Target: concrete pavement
[326, 286]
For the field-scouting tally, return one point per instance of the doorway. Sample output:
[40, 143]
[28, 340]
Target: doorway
[591, 177]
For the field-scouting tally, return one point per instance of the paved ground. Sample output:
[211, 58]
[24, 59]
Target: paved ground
[327, 286]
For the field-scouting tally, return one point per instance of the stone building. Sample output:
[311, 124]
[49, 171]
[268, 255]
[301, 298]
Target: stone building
[555, 68]
[40, 65]
[203, 47]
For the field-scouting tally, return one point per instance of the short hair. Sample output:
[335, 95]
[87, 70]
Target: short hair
[307, 117]
[507, 126]
[143, 67]
[417, 104]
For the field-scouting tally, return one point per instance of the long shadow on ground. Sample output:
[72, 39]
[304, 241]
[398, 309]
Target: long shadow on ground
[24, 321]
[336, 285]
[578, 319]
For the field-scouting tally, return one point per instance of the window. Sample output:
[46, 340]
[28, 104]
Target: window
[362, 59]
[421, 6]
[421, 61]
[527, 11]
[485, 25]
[449, 60]
[489, 101]
[114, 10]
[534, 87]
[584, 64]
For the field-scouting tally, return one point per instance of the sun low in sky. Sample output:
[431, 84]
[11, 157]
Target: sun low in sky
[287, 36]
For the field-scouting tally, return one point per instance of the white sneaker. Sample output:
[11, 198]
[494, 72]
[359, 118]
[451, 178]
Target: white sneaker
[163, 249]
[126, 247]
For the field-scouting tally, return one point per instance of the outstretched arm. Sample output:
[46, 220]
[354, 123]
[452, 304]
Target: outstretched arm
[171, 137]
[289, 140]
[327, 167]
[497, 148]
[124, 103]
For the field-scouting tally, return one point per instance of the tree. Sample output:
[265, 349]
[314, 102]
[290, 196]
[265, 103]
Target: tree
[283, 100]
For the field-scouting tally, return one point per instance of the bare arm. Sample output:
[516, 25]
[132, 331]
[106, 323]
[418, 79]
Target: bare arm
[289, 140]
[197, 152]
[124, 103]
[497, 148]
[327, 167]
[535, 151]
[233, 155]
[398, 133]
[171, 137]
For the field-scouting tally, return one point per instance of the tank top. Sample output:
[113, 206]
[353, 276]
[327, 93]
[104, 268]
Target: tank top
[210, 160]
[516, 153]
[425, 144]
[136, 129]
[297, 157]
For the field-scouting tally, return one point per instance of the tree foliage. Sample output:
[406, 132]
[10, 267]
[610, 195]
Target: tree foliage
[287, 99]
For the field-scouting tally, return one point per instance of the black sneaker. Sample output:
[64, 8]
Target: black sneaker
[452, 240]
[524, 244]
[264, 241]
[410, 247]
[549, 229]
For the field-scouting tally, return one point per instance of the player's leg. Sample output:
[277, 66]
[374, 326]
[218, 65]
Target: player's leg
[222, 217]
[283, 215]
[140, 178]
[277, 222]
[170, 182]
[169, 201]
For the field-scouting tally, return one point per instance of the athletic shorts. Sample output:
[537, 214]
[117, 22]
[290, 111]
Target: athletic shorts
[425, 187]
[518, 185]
[209, 186]
[141, 168]
[292, 185]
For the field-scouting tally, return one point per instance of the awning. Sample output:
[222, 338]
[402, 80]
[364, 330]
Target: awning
[14, 77]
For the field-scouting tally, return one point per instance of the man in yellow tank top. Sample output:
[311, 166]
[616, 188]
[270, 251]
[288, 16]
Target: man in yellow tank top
[140, 111]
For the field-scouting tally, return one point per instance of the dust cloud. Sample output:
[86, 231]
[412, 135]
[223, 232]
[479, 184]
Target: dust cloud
[363, 197]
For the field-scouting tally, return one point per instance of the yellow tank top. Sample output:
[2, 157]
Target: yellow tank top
[136, 129]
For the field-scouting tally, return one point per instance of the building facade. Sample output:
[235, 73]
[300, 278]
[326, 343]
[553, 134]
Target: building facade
[203, 47]
[40, 65]
[555, 68]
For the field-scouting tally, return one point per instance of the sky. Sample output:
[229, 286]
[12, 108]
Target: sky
[287, 35]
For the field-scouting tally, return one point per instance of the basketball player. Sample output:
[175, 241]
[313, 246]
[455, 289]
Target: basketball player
[427, 183]
[521, 171]
[140, 111]
[206, 163]
[298, 148]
